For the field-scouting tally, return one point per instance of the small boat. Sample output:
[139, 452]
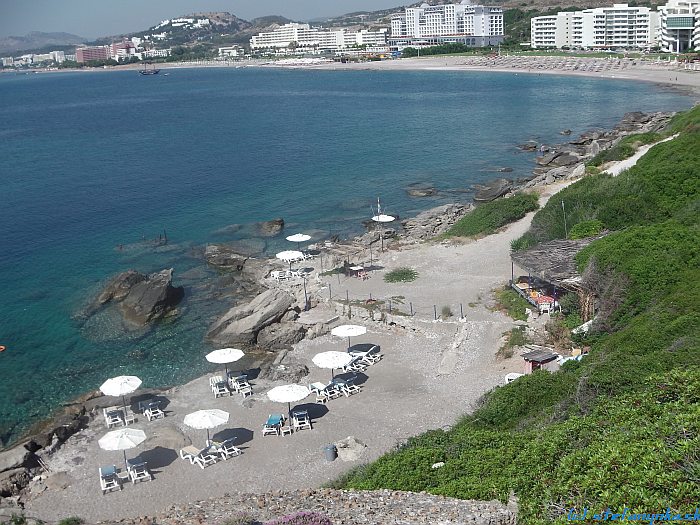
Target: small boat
[146, 71]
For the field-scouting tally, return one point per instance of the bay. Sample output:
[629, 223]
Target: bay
[96, 166]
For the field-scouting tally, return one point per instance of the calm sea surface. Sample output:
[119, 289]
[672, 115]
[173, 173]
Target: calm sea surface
[91, 161]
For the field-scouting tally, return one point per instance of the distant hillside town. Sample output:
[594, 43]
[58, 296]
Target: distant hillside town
[673, 27]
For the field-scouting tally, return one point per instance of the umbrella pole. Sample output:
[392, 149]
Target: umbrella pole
[126, 465]
[208, 442]
[125, 418]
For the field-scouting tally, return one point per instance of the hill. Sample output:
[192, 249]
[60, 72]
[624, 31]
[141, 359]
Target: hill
[37, 40]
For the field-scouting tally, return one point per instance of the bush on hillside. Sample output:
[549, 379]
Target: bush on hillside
[489, 217]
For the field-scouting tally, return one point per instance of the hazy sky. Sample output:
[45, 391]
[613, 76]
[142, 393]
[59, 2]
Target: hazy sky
[93, 18]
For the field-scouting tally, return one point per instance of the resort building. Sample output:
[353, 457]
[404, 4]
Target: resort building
[88, 53]
[679, 29]
[464, 23]
[616, 27]
[296, 37]
[232, 51]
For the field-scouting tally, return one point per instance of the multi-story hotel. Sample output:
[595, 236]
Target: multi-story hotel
[616, 27]
[465, 23]
[679, 29]
[305, 37]
[86, 54]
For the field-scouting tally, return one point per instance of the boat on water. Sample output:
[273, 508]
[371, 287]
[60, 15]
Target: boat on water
[146, 71]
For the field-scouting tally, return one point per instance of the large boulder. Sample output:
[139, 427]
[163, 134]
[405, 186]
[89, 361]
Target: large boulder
[280, 335]
[13, 458]
[242, 323]
[350, 449]
[151, 298]
[434, 221]
[492, 190]
[270, 228]
[120, 286]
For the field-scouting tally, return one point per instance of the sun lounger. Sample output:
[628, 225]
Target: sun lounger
[109, 479]
[273, 425]
[369, 357]
[301, 420]
[218, 386]
[226, 449]
[153, 411]
[137, 470]
[348, 386]
[201, 457]
[356, 365]
[279, 275]
[113, 416]
[241, 385]
[324, 392]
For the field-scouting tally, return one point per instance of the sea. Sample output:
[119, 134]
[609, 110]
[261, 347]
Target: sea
[97, 168]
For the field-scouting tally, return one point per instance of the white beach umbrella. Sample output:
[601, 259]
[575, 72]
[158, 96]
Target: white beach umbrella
[299, 238]
[332, 360]
[122, 439]
[210, 418]
[120, 386]
[381, 218]
[348, 330]
[223, 356]
[288, 394]
[290, 256]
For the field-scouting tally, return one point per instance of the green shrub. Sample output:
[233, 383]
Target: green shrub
[73, 520]
[401, 275]
[512, 303]
[488, 217]
[446, 312]
[586, 229]
[625, 148]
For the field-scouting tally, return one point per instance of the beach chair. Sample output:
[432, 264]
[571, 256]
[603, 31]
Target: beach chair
[239, 383]
[356, 365]
[278, 275]
[324, 392]
[151, 409]
[369, 357]
[226, 449]
[201, 457]
[273, 424]
[109, 479]
[113, 416]
[348, 386]
[137, 470]
[301, 420]
[218, 386]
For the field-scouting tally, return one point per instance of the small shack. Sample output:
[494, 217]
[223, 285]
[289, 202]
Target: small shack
[553, 262]
[538, 357]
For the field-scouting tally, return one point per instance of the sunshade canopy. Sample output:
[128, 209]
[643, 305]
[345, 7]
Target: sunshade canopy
[288, 393]
[332, 359]
[348, 330]
[299, 237]
[121, 385]
[122, 439]
[209, 418]
[225, 355]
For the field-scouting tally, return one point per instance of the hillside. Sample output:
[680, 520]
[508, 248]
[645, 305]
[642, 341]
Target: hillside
[621, 428]
[37, 40]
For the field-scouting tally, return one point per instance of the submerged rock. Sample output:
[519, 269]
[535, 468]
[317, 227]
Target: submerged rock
[270, 228]
[224, 257]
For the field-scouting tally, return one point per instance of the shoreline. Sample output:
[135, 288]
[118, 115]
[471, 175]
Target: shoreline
[662, 73]
[448, 364]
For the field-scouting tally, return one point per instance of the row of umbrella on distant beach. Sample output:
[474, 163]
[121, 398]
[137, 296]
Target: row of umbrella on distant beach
[126, 438]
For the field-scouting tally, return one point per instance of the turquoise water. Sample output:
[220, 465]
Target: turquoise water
[91, 161]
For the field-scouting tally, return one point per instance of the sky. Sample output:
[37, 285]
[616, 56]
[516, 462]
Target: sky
[95, 18]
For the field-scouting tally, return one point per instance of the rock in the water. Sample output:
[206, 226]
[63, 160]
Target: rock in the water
[505, 170]
[224, 257]
[120, 286]
[531, 145]
[492, 190]
[565, 132]
[242, 323]
[270, 228]
[350, 449]
[151, 298]
[421, 192]
[280, 335]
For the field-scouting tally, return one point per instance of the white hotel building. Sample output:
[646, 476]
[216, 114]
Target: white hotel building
[464, 23]
[616, 27]
[303, 37]
[679, 30]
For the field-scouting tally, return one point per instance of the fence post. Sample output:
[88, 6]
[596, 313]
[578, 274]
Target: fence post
[461, 311]
[389, 305]
[330, 292]
[370, 296]
[411, 305]
[347, 297]
[435, 311]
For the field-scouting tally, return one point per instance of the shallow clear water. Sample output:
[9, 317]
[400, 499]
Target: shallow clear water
[91, 161]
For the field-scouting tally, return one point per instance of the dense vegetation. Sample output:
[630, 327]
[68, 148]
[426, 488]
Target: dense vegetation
[621, 428]
[401, 275]
[488, 217]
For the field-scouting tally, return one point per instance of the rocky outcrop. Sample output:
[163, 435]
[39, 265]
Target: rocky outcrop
[270, 228]
[492, 190]
[241, 324]
[350, 449]
[434, 221]
[151, 298]
[421, 192]
[280, 335]
[119, 287]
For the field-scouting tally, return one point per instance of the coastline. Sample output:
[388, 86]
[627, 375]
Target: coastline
[663, 73]
[447, 364]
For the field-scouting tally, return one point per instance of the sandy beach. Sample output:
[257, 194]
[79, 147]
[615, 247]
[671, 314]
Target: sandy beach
[431, 374]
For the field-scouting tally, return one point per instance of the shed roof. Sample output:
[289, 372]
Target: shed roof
[553, 261]
[539, 354]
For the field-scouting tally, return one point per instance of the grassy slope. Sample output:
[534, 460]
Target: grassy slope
[622, 427]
